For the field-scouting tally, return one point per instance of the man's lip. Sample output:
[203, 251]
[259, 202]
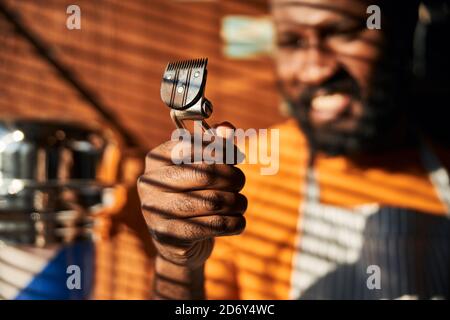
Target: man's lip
[328, 107]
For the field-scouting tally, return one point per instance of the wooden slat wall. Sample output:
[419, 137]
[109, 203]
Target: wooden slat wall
[120, 54]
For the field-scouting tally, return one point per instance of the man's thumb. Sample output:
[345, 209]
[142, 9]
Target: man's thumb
[224, 130]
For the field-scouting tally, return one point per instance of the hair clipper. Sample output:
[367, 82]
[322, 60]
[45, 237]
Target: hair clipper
[183, 90]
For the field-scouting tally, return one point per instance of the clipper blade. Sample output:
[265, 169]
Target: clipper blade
[183, 83]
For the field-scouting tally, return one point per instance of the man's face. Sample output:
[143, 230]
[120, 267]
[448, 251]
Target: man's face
[331, 70]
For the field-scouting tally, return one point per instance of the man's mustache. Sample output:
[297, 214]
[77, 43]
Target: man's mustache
[341, 82]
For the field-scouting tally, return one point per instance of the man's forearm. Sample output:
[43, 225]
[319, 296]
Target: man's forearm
[177, 282]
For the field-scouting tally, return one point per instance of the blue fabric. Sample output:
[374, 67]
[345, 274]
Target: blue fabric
[51, 282]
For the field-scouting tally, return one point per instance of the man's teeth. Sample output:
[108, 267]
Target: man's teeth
[330, 102]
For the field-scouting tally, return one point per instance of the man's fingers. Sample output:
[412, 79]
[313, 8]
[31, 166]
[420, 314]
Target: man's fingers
[190, 194]
[160, 156]
[194, 229]
[194, 177]
[215, 149]
[195, 204]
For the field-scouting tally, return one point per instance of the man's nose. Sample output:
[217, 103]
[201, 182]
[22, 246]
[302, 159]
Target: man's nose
[315, 65]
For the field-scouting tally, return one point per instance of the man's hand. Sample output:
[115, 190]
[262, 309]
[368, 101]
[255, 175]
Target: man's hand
[186, 206]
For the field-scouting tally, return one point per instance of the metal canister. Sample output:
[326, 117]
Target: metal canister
[55, 176]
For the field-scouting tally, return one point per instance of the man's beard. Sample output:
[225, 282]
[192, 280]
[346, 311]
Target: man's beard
[374, 130]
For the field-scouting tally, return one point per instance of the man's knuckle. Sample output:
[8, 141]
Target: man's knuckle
[171, 173]
[185, 203]
[160, 153]
[229, 200]
[151, 155]
[193, 231]
[224, 225]
[203, 174]
[212, 201]
[218, 224]
[161, 227]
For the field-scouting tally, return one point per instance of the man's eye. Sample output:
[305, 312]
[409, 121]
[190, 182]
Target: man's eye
[347, 34]
[291, 41]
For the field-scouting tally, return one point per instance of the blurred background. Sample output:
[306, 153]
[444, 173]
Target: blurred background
[109, 72]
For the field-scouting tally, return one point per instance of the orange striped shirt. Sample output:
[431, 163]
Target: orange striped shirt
[258, 263]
